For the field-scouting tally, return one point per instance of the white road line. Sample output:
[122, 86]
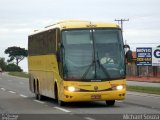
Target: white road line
[23, 96]
[88, 118]
[119, 101]
[39, 101]
[64, 110]
[3, 89]
[11, 91]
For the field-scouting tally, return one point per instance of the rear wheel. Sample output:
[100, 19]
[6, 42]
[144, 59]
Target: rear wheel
[38, 95]
[110, 102]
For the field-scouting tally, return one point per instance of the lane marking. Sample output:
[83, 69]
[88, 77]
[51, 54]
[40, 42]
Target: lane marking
[23, 96]
[119, 101]
[88, 118]
[64, 110]
[9, 80]
[39, 101]
[3, 89]
[11, 91]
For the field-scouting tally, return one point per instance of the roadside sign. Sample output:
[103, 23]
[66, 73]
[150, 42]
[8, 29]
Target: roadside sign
[156, 57]
[144, 56]
[148, 56]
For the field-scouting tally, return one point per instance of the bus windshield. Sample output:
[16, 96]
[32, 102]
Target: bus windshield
[93, 54]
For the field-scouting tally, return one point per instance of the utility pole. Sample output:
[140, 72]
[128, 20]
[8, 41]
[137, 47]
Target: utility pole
[121, 22]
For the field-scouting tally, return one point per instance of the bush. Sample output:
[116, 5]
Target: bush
[13, 67]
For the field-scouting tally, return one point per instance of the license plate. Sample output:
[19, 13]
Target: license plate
[95, 96]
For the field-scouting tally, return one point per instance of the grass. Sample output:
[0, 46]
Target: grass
[151, 90]
[19, 74]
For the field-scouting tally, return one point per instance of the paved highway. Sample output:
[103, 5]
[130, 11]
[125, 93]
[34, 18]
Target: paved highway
[146, 84]
[15, 98]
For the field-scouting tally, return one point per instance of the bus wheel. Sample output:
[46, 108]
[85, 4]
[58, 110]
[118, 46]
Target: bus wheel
[38, 95]
[60, 102]
[110, 102]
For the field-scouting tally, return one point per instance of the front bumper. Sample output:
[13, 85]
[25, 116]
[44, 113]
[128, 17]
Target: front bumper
[89, 96]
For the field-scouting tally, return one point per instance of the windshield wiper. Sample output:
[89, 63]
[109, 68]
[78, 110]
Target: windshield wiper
[103, 68]
[89, 67]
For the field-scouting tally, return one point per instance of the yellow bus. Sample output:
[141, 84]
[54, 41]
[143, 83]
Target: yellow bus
[74, 61]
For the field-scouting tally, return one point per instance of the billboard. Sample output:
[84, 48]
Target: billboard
[156, 57]
[144, 56]
[148, 56]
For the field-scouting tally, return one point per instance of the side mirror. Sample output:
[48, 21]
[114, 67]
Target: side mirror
[126, 46]
[60, 45]
[129, 56]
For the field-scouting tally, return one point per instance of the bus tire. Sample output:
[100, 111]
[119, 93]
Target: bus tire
[38, 95]
[34, 86]
[60, 102]
[110, 102]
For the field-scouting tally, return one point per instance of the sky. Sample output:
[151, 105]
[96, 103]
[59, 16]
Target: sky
[18, 18]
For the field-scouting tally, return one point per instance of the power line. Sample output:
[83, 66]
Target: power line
[121, 22]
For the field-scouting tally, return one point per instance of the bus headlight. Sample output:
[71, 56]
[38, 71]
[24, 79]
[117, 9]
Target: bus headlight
[119, 87]
[72, 89]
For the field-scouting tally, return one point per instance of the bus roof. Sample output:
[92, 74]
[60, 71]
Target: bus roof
[72, 24]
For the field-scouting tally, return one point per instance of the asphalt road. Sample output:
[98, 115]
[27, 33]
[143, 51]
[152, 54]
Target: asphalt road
[18, 102]
[146, 84]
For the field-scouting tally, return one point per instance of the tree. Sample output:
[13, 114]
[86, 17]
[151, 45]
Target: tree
[13, 67]
[16, 53]
[3, 64]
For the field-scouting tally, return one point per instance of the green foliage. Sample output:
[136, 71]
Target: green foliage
[13, 67]
[152, 90]
[9, 67]
[16, 53]
[3, 64]
[19, 74]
